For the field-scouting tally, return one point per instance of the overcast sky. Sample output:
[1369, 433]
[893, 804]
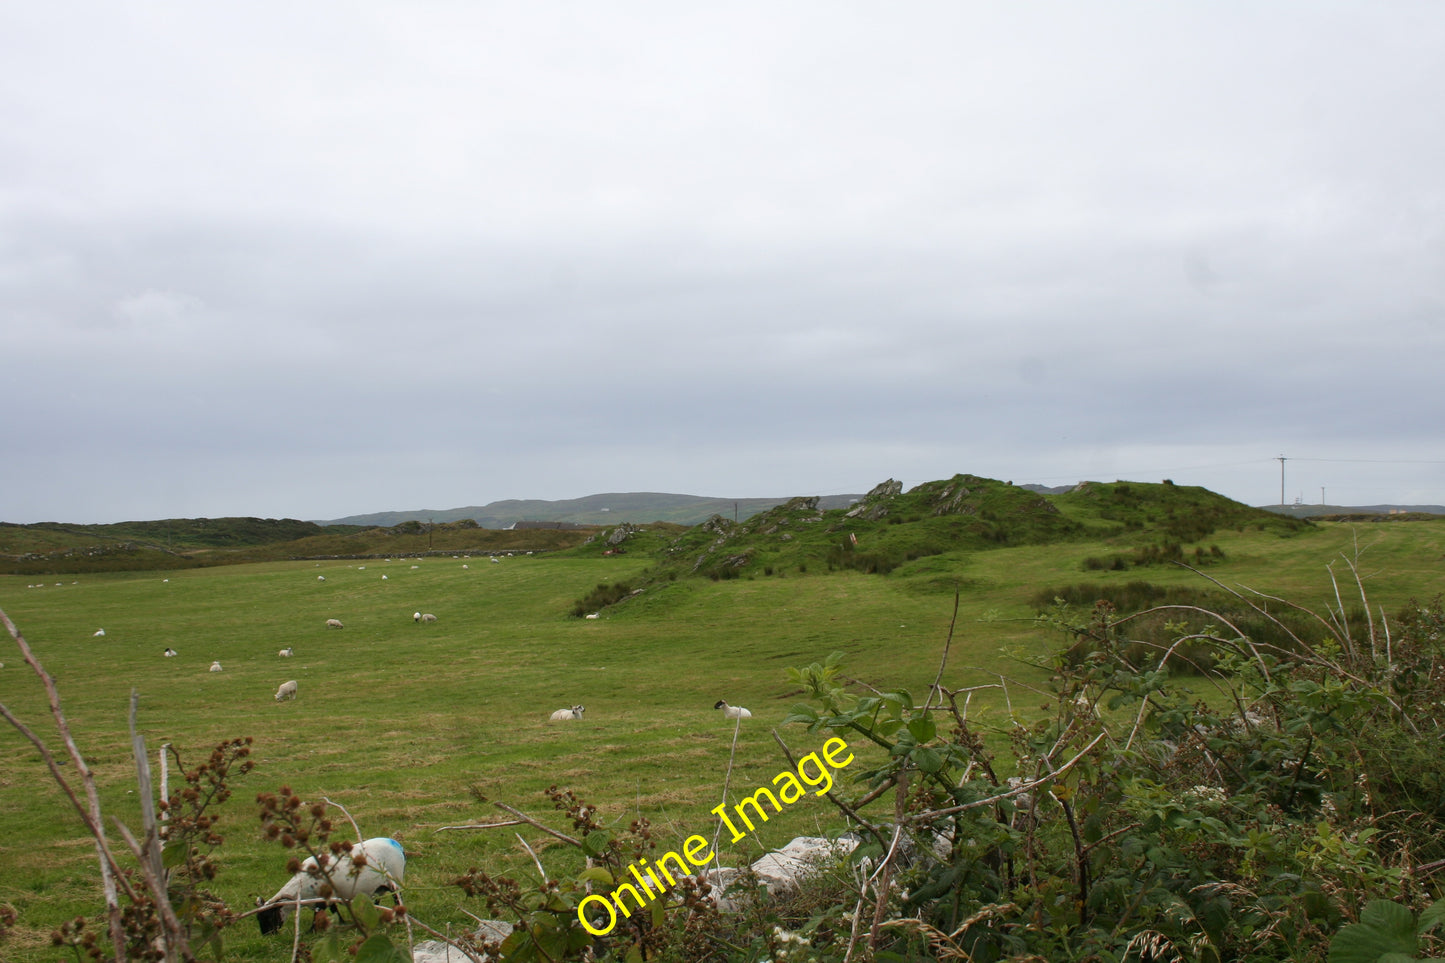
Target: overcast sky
[319, 259]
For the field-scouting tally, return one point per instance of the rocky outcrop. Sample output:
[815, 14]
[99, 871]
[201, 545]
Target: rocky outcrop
[435, 951]
[875, 504]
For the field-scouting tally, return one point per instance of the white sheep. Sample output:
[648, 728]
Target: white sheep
[215, 666]
[591, 615]
[286, 653]
[334, 624]
[426, 617]
[98, 633]
[380, 870]
[321, 578]
[733, 712]
[567, 715]
[383, 578]
[287, 691]
[170, 653]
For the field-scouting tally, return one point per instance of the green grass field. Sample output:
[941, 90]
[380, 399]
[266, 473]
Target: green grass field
[406, 725]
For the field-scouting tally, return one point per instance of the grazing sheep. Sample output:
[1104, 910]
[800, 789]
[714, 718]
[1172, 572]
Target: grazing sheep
[215, 667]
[286, 653]
[566, 715]
[287, 691]
[321, 578]
[98, 633]
[428, 617]
[380, 871]
[334, 624]
[733, 712]
[170, 653]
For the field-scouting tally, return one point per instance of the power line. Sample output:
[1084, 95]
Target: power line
[1370, 461]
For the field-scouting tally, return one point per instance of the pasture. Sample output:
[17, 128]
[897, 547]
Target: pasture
[411, 726]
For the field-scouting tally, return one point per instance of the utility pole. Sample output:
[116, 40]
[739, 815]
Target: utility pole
[1322, 494]
[1280, 459]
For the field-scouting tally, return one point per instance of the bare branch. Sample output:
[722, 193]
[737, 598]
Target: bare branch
[532, 822]
[91, 815]
[851, 812]
[943, 661]
[354, 828]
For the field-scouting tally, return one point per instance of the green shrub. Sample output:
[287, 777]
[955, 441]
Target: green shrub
[605, 594]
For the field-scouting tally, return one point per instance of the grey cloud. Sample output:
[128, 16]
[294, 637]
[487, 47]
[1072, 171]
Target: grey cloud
[298, 257]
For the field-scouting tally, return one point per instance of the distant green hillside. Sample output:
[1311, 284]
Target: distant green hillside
[606, 509]
[54, 547]
[50, 549]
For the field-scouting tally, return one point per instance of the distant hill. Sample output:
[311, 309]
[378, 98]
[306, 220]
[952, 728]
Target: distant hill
[611, 508]
[1318, 511]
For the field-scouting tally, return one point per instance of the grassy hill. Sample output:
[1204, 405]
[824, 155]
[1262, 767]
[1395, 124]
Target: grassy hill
[940, 523]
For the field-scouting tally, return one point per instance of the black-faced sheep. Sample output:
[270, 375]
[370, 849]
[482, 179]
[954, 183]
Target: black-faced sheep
[733, 712]
[380, 870]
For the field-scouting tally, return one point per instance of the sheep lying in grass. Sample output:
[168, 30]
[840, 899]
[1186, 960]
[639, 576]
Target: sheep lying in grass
[216, 666]
[98, 633]
[170, 653]
[375, 866]
[733, 712]
[564, 715]
[334, 624]
[423, 617]
[286, 653]
[287, 691]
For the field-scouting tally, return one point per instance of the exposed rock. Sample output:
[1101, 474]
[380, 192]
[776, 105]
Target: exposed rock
[718, 526]
[435, 951]
[621, 533]
[875, 504]
[780, 870]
